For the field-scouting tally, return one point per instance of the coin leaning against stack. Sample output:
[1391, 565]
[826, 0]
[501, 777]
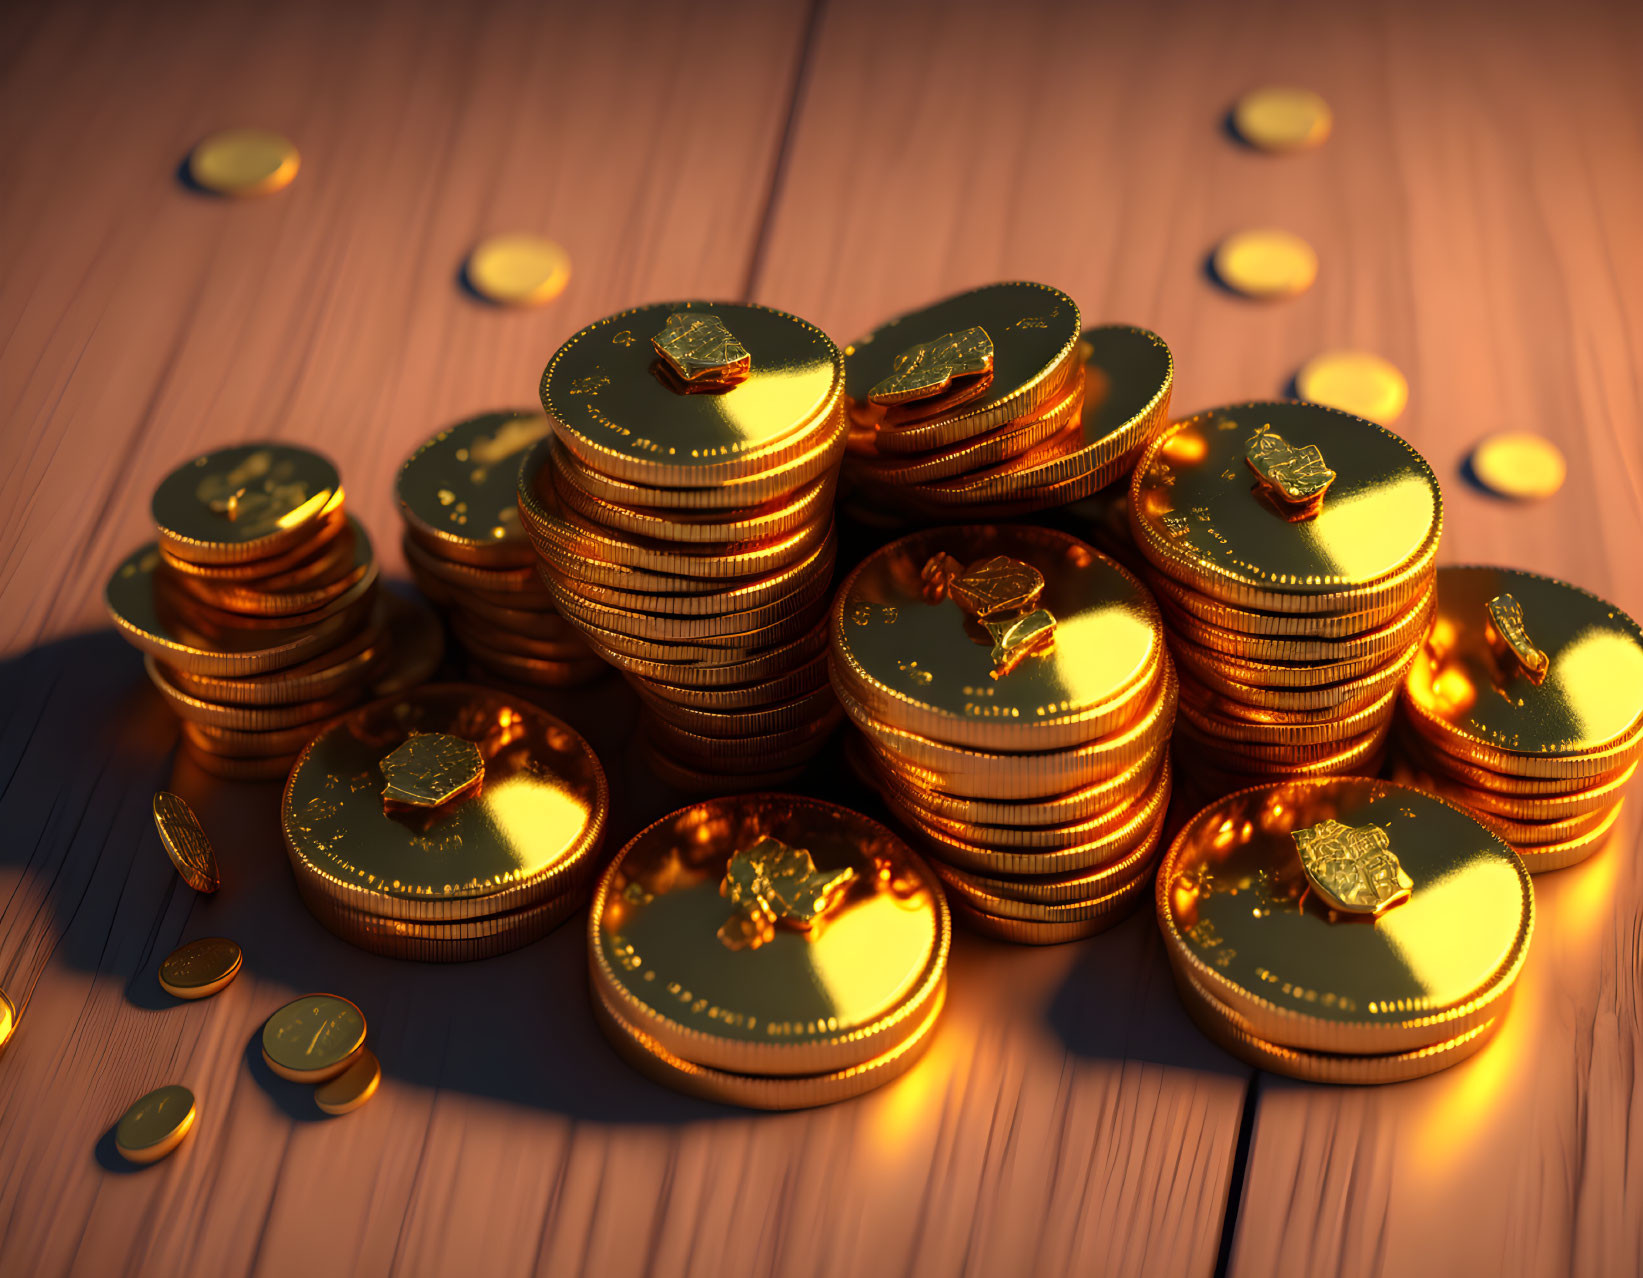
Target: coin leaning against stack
[1015, 700]
[768, 950]
[1526, 709]
[451, 823]
[257, 608]
[682, 513]
[1344, 930]
[1292, 549]
[464, 544]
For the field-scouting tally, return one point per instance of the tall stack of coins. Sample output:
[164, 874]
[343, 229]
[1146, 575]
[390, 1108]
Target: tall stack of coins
[257, 607]
[1344, 930]
[682, 511]
[458, 496]
[452, 823]
[768, 951]
[1015, 700]
[1526, 708]
[1292, 550]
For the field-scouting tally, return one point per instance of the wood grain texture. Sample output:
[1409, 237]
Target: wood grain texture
[1476, 215]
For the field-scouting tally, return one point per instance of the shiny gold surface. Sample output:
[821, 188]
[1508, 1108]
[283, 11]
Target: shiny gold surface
[460, 487]
[429, 769]
[238, 502]
[1519, 464]
[930, 669]
[1356, 382]
[1198, 516]
[1296, 477]
[1266, 263]
[1235, 906]
[8, 1019]
[185, 842]
[617, 415]
[518, 269]
[928, 368]
[806, 1001]
[313, 1038]
[1590, 698]
[243, 162]
[353, 1087]
[700, 349]
[1352, 868]
[770, 883]
[201, 968]
[537, 818]
[155, 1124]
[1282, 118]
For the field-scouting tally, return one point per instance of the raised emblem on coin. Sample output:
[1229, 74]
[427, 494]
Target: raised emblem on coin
[700, 349]
[1298, 477]
[928, 368]
[1352, 867]
[772, 883]
[1508, 636]
[185, 842]
[430, 769]
[1002, 595]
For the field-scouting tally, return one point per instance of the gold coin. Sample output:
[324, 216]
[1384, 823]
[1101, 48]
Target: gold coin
[1260, 675]
[317, 679]
[1095, 917]
[1441, 912]
[1355, 382]
[462, 940]
[321, 533]
[1525, 836]
[1282, 118]
[689, 780]
[1183, 600]
[518, 269]
[1283, 754]
[778, 717]
[770, 934]
[1602, 795]
[313, 1038]
[459, 488]
[773, 619]
[243, 502]
[807, 677]
[243, 162]
[1266, 263]
[200, 968]
[185, 842]
[1377, 644]
[155, 1124]
[1557, 856]
[1433, 756]
[1519, 464]
[255, 718]
[1283, 728]
[519, 580]
[273, 768]
[351, 1088]
[8, 1019]
[234, 743]
[333, 566]
[764, 664]
[1007, 896]
[1233, 766]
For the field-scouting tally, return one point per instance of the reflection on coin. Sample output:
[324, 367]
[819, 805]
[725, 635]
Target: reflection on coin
[1354, 382]
[1266, 263]
[313, 1038]
[518, 269]
[200, 968]
[353, 1087]
[243, 162]
[1282, 118]
[155, 1125]
[8, 1019]
[1519, 463]
[185, 842]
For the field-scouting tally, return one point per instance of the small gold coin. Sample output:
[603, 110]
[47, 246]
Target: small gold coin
[155, 1125]
[353, 1087]
[518, 269]
[244, 162]
[185, 842]
[1519, 463]
[1282, 118]
[1266, 263]
[200, 968]
[313, 1038]
[1355, 382]
[8, 1019]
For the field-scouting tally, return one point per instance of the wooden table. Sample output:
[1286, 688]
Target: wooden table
[1477, 215]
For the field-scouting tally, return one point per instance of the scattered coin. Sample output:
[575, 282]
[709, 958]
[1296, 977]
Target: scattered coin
[8, 1019]
[185, 842]
[518, 269]
[155, 1125]
[1355, 382]
[244, 162]
[200, 968]
[353, 1087]
[1266, 263]
[1282, 118]
[1519, 464]
[313, 1038]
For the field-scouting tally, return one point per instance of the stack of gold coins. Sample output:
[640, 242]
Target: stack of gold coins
[458, 495]
[257, 607]
[1344, 930]
[1526, 708]
[1292, 550]
[452, 823]
[1015, 699]
[683, 511]
[768, 951]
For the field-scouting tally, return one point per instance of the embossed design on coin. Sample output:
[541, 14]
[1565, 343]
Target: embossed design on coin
[185, 842]
[313, 1038]
[430, 769]
[700, 349]
[997, 586]
[1508, 636]
[772, 883]
[1002, 594]
[1352, 867]
[928, 368]
[1016, 639]
[260, 489]
[1298, 477]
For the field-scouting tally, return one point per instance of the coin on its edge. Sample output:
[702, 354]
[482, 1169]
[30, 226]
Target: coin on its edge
[185, 842]
[200, 968]
[155, 1124]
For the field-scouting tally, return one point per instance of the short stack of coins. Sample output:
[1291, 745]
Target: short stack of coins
[989, 404]
[1015, 700]
[770, 951]
[683, 515]
[1526, 708]
[1292, 549]
[464, 544]
[257, 606]
[454, 822]
[1344, 930]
